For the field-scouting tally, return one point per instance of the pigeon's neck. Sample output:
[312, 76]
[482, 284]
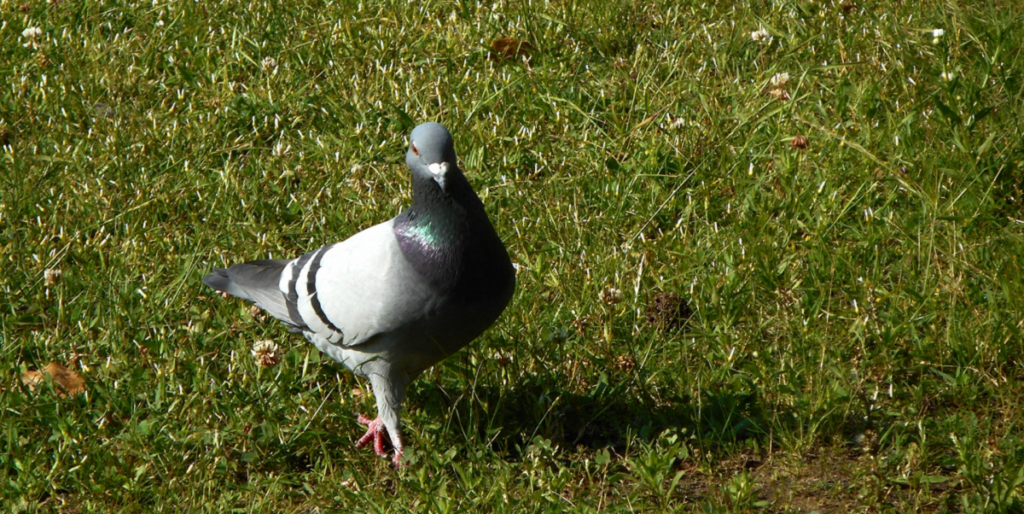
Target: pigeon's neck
[435, 230]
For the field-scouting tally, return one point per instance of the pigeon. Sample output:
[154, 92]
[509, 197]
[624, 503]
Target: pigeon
[397, 298]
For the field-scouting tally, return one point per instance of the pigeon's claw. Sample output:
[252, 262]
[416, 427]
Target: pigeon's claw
[374, 432]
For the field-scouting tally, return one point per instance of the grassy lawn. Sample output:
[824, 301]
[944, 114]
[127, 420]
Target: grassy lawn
[812, 213]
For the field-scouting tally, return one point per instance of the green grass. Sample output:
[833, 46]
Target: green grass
[855, 343]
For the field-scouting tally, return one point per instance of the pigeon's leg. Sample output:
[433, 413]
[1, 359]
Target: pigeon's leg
[389, 391]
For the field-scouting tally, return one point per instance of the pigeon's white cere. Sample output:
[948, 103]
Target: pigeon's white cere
[438, 170]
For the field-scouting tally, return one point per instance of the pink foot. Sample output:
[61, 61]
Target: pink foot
[375, 432]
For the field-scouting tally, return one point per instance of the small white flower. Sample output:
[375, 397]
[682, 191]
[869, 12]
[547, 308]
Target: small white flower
[678, 123]
[51, 276]
[280, 149]
[32, 34]
[948, 76]
[159, 23]
[268, 63]
[780, 79]
[266, 353]
[610, 296]
[503, 359]
[761, 35]
[938, 33]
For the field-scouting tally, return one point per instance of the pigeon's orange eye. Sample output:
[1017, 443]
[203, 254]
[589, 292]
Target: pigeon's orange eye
[414, 149]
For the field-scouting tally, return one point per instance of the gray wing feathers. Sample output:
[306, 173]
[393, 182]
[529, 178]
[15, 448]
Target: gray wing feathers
[347, 293]
[257, 282]
[362, 288]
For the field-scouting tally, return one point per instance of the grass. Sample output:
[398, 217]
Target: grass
[855, 340]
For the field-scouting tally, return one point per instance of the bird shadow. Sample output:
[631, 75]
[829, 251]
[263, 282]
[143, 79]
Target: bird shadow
[606, 415]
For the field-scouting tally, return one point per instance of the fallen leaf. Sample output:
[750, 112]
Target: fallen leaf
[66, 379]
[32, 379]
[509, 48]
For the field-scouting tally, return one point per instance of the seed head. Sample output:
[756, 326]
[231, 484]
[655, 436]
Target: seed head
[799, 143]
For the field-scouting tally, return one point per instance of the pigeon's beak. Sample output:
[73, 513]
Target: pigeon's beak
[439, 170]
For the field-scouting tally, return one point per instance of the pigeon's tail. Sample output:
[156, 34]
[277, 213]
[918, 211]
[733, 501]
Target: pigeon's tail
[257, 282]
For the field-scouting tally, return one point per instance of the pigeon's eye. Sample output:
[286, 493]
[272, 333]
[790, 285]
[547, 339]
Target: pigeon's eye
[414, 149]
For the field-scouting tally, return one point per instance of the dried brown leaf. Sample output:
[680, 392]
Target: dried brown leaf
[67, 381]
[510, 48]
[32, 378]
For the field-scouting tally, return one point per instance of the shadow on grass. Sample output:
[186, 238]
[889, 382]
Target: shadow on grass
[606, 416]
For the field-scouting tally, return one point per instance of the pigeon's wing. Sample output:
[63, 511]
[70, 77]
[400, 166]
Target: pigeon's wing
[352, 291]
[257, 282]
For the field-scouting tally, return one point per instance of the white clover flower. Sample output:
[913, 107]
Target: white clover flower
[268, 63]
[503, 359]
[761, 36]
[267, 353]
[780, 79]
[610, 296]
[52, 276]
[32, 34]
[674, 122]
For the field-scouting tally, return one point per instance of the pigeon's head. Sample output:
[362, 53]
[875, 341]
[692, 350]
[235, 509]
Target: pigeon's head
[431, 152]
